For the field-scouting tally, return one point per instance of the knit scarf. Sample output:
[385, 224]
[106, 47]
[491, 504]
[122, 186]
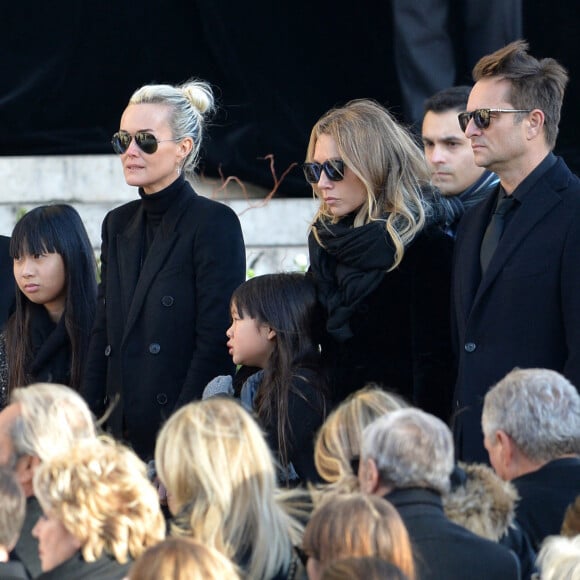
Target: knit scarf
[348, 266]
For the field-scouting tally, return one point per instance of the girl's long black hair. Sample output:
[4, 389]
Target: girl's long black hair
[287, 303]
[47, 229]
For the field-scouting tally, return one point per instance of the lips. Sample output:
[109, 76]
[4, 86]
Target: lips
[31, 287]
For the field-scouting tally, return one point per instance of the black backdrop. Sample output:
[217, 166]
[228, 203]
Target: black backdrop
[69, 68]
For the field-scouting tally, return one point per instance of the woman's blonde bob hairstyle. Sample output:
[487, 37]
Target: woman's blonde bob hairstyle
[220, 477]
[355, 525]
[100, 493]
[385, 157]
[338, 442]
[182, 559]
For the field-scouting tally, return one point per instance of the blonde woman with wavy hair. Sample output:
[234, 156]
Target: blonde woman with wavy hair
[338, 443]
[221, 487]
[356, 525]
[380, 261]
[100, 511]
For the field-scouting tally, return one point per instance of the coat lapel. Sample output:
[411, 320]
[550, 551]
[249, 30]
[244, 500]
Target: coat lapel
[468, 259]
[129, 262]
[162, 245]
[535, 206]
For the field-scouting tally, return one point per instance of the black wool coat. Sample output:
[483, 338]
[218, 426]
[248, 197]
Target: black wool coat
[401, 332]
[159, 334]
[525, 311]
[444, 550]
[7, 283]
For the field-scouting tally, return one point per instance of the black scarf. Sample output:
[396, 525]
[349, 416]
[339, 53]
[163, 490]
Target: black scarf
[349, 265]
[51, 349]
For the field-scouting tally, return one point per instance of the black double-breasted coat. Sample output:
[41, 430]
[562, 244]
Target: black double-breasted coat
[525, 311]
[159, 335]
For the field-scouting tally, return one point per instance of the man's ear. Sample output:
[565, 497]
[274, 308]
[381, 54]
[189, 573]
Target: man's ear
[506, 450]
[368, 476]
[536, 120]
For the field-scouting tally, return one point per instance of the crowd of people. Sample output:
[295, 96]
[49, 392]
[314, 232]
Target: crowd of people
[405, 409]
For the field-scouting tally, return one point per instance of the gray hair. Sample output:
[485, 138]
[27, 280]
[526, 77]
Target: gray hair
[12, 508]
[411, 448]
[539, 409]
[188, 105]
[52, 419]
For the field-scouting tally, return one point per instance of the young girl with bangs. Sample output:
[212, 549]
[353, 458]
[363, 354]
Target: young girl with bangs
[274, 318]
[46, 338]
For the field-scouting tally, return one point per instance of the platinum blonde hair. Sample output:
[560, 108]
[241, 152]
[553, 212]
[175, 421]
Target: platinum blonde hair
[559, 558]
[215, 463]
[338, 442]
[384, 156]
[539, 409]
[411, 448]
[189, 104]
[100, 492]
[52, 418]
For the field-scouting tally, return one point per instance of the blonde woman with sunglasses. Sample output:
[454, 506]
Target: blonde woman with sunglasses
[170, 262]
[380, 263]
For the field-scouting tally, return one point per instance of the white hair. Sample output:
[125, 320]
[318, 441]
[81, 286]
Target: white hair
[539, 409]
[411, 448]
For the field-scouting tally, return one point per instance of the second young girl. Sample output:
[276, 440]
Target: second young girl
[274, 319]
[46, 338]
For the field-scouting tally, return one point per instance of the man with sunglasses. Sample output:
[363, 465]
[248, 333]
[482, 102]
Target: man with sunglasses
[516, 278]
[450, 158]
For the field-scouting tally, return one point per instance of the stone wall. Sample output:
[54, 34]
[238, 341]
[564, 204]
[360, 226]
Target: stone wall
[275, 230]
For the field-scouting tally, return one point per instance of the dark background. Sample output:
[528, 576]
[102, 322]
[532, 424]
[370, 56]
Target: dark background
[69, 68]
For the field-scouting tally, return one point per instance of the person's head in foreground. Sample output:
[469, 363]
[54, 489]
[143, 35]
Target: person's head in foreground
[182, 559]
[356, 525]
[96, 500]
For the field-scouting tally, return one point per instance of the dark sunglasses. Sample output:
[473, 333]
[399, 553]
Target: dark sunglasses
[147, 142]
[334, 169]
[482, 117]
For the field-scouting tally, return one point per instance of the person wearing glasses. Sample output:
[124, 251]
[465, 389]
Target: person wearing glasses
[516, 281]
[380, 262]
[169, 264]
[462, 183]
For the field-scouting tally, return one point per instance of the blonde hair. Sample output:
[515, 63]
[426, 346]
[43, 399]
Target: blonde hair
[215, 463]
[384, 156]
[100, 492]
[559, 557]
[188, 104]
[358, 525]
[338, 442]
[182, 559]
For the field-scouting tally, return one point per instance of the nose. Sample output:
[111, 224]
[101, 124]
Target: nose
[35, 530]
[230, 331]
[26, 266]
[437, 154]
[471, 129]
[324, 182]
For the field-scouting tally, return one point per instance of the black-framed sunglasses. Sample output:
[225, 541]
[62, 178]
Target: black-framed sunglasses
[334, 169]
[146, 141]
[482, 117]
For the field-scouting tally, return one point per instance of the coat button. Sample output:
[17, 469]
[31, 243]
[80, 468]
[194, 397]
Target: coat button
[154, 348]
[167, 301]
[161, 398]
[108, 350]
[470, 346]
